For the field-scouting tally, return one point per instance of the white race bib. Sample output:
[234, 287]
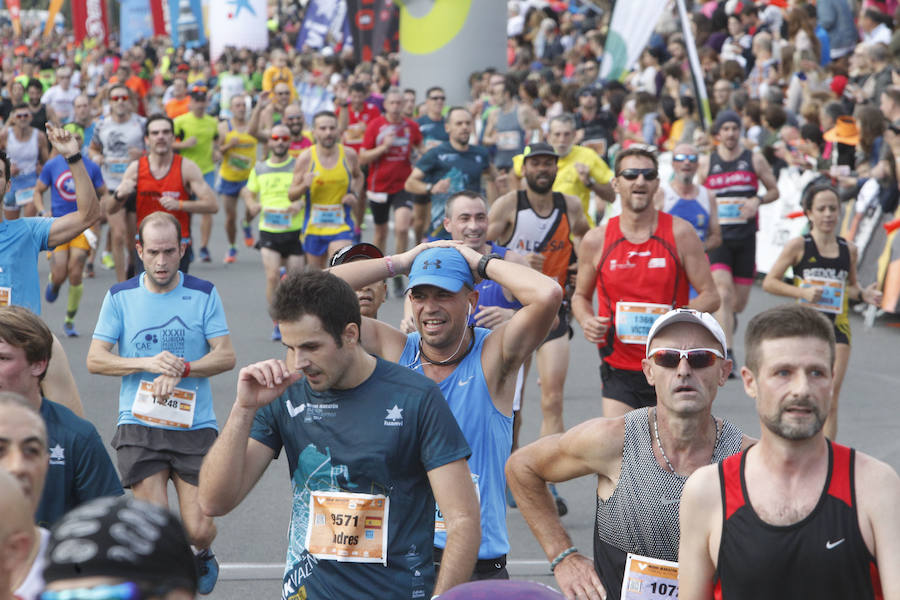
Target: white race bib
[276, 219]
[24, 197]
[730, 211]
[634, 320]
[175, 411]
[348, 527]
[649, 578]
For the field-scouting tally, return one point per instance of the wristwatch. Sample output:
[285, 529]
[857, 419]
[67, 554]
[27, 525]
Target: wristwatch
[482, 264]
[428, 187]
[74, 158]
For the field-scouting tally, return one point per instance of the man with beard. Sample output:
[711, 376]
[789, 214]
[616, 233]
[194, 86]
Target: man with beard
[280, 221]
[301, 139]
[545, 227]
[238, 156]
[327, 176]
[641, 264]
[446, 169]
[733, 174]
[118, 140]
[172, 337]
[164, 181]
[803, 516]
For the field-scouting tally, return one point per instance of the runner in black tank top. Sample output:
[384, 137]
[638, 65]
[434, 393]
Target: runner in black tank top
[823, 556]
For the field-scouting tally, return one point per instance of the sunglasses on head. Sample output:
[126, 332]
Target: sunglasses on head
[685, 157]
[281, 138]
[698, 358]
[633, 174]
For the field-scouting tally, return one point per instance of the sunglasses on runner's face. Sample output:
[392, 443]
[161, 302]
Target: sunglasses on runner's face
[23, 116]
[437, 98]
[633, 174]
[281, 138]
[118, 98]
[685, 157]
[698, 358]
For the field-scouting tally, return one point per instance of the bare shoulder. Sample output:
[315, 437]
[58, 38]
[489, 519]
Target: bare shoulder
[877, 483]
[598, 442]
[500, 204]
[702, 487]
[595, 237]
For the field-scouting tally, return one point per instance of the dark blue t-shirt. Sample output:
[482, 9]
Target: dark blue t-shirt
[380, 438]
[80, 468]
[464, 169]
[432, 130]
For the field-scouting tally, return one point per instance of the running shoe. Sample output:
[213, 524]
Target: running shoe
[204, 255]
[561, 507]
[89, 270]
[248, 234]
[231, 257]
[208, 569]
[69, 329]
[51, 293]
[276, 334]
[107, 261]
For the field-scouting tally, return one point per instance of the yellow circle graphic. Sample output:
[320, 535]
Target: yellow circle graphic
[424, 35]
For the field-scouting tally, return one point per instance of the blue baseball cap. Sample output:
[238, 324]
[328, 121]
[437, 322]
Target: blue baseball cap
[441, 267]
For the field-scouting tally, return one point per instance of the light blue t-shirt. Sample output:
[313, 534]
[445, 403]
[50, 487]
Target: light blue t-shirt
[488, 432]
[21, 242]
[181, 321]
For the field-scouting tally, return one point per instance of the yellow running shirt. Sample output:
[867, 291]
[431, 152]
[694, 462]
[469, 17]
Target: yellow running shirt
[325, 213]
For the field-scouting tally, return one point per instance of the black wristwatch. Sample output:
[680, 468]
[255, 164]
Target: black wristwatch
[482, 264]
[74, 158]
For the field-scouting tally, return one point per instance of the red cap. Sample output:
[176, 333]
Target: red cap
[838, 83]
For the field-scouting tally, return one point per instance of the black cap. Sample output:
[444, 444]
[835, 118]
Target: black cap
[360, 250]
[539, 149]
[124, 538]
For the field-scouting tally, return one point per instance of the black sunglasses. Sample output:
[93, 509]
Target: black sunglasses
[685, 157]
[698, 358]
[441, 98]
[632, 174]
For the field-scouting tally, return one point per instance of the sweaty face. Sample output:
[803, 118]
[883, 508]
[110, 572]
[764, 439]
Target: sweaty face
[636, 194]
[441, 315]
[315, 353]
[793, 386]
[459, 126]
[161, 252]
[23, 450]
[685, 390]
[540, 173]
[160, 136]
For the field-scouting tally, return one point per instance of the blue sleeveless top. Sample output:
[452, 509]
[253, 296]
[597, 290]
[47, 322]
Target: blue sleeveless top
[488, 432]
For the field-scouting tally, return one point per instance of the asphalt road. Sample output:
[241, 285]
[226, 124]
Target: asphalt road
[252, 539]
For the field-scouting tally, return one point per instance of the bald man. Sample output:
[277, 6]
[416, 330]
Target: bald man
[24, 456]
[16, 537]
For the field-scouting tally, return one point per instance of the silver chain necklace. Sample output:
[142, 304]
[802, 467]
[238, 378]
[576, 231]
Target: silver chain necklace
[663, 452]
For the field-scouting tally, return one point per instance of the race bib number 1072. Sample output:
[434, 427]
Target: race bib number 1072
[649, 578]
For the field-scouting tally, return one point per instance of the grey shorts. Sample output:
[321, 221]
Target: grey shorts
[143, 451]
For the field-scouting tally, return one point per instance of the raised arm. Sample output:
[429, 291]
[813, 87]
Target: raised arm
[593, 447]
[455, 495]
[67, 227]
[235, 462]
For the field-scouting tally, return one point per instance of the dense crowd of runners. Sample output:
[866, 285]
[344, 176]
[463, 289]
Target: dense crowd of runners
[550, 203]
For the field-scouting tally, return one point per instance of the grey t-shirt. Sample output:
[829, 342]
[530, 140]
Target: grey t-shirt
[116, 138]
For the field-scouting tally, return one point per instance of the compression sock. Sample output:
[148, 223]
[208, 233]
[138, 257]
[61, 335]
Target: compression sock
[75, 292]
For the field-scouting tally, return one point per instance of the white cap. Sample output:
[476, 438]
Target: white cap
[688, 315]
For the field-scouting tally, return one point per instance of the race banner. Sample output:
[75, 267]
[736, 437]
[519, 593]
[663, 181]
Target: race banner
[186, 21]
[135, 22]
[323, 18]
[14, 9]
[696, 70]
[89, 20]
[55, 5]
[238, 23]
[374, 25]
[157, 12]
[629, 31]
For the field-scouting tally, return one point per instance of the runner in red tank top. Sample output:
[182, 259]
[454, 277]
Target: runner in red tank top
[164, 181]
[795, 516]
[640, 264]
